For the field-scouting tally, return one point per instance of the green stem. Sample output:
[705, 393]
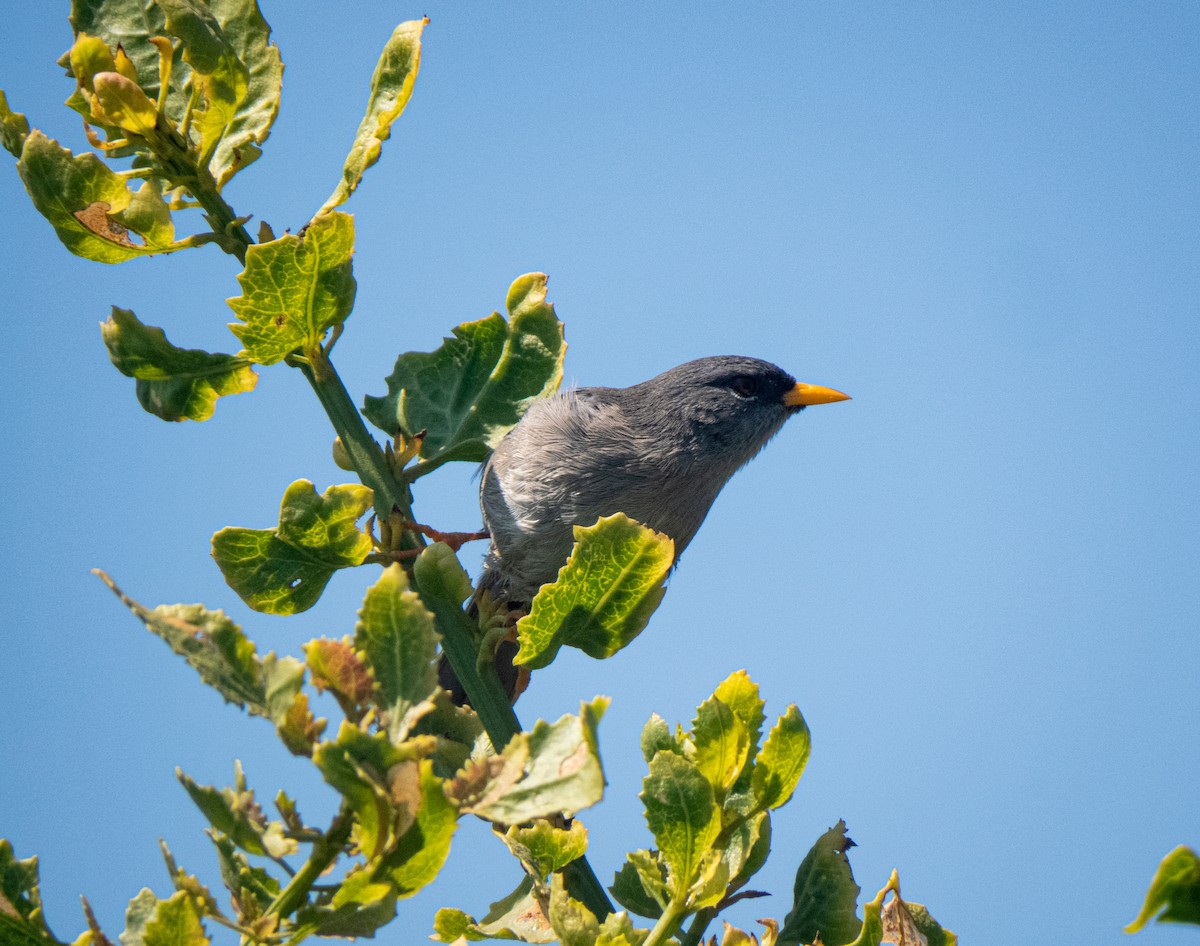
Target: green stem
[181, 168]
[484, 691]
[366, 455]
[667, 924]
[486, 695]
[324, 853]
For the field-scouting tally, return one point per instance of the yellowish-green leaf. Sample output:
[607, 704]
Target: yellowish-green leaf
[422, 850]
[740, 694]
[395, 633]
[721, 744]
[640, 886]
[391, 88]
[517, 916]
[175, 923]
[84, 200]
[284, 570]
[683, 817]
[574, 923]
[358, 764]
[295, 288]
[781, 762]
[217, 75]
[604, 594]
[13, 128]
[1174, 894]
[544, 848]
[172, 383]
[236, 814]
[552, 769]
[122, 103]
[472, 390]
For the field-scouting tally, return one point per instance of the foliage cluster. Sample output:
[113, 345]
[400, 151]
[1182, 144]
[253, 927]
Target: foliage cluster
[178, 97]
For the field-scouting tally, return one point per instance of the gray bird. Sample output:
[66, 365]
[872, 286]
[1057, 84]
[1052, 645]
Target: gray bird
[659, 451]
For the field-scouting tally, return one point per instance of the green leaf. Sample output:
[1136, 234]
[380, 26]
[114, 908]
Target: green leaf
[227, 661]
[84, 200]
[544, 848]
[242, 880]
[295, 288]
[422, 850]
[359, 908]
[396, 636]
[740, 694]
[618, 930]
[391, 88]
[472, 390]
[683, 817]
[13, 128]
[825, 896]
[212, 644]
[249, 37]
[781, 763]
[1174, 894]
[364, 768]
[721, 743]
[16, 932]
[438, 573]
[574, 923]
[218, 77]
[172, 383]
[224, 56]
[640, 886]
[284, 570]
[516, 916]
[19, 894]
[129, 24]
[235, 813]
[746, 847]
[656, 736]
[175, 923]
[552, 769]
[604, 594]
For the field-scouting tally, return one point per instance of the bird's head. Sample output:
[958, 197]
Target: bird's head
[724, 409]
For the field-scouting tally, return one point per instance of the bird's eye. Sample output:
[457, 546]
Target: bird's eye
[744, 386]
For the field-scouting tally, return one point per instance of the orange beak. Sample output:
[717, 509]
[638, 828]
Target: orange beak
[805, 395]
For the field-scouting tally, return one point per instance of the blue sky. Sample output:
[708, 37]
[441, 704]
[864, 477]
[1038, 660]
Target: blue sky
[977, 579]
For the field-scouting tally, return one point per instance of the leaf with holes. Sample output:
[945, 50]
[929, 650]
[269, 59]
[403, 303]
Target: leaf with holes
[284, 570]
[295, 288]
[89, 205]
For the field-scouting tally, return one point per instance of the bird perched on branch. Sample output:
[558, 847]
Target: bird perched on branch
[659, 451]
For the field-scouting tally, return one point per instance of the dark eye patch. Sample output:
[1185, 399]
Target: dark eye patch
[744, 386]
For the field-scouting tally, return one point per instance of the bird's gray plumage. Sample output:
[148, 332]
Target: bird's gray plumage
[659, 451]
